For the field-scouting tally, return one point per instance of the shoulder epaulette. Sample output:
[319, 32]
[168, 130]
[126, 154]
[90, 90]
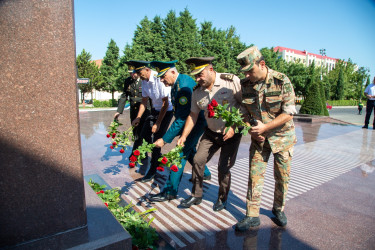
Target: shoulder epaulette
[227, 77]
[278, 75]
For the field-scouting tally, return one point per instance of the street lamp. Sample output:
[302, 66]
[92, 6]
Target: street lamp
[323, 53]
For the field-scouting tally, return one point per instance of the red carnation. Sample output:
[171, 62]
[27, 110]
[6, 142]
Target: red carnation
[133, 158]
[160, 168]
[131, 165]
[214, 103]
[164, 160]
[114, 134]
[122, 151]
[211, 113]
[108, 135]
[136, 152]
[100, 192]
[210, 107]
[114, 143]
[174, 168]
[111, 147]
[113, 137]
[105, 203]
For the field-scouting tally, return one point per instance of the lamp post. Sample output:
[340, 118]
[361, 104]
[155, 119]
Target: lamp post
[323, 53]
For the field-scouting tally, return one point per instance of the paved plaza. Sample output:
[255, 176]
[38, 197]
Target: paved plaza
[331, 198]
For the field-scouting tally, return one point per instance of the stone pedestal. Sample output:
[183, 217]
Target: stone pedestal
[41, 180]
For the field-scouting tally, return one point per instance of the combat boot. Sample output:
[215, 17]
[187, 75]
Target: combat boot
[280, 219]
[247, 222]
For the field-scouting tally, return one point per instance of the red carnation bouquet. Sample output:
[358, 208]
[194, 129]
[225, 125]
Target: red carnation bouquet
[140, 153]
[231, 117]
[172, 159]
[120, 139]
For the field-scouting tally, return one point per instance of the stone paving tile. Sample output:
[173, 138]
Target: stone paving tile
[330, 201]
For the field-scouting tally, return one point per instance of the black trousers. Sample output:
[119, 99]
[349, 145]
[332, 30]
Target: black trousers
[134, 108]
[147, 135]
[369, 107]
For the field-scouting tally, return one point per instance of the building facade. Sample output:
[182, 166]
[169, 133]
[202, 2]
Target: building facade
[293, 55]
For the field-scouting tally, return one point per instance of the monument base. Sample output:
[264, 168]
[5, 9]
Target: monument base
[103, 231]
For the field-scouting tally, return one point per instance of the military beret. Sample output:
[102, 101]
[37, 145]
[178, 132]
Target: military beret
[138, 65]
[162, 67]
[248, 57]
[197, 64]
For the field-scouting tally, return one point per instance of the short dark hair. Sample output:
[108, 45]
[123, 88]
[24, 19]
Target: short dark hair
[259, 60]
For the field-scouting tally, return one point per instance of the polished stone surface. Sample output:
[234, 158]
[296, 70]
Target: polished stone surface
[41, 184]
[330, 203]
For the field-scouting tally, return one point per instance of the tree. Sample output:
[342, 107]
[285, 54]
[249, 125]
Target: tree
[340, 86]
[313, 103]
[109, 68]
[297, 73]
[171, 29]
[323, 99]
[87, 69]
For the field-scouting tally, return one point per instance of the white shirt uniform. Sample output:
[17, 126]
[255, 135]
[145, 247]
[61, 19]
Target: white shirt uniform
[156, 90]
[370, 90]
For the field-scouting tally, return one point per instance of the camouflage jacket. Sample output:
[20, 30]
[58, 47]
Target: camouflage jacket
[265, 100]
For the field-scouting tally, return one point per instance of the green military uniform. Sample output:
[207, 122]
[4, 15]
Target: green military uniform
[265, 100]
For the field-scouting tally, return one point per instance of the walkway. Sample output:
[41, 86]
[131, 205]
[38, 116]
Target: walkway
[330, 200]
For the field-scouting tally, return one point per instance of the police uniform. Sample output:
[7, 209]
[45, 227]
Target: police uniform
[181, 100]
[226, 89]
[133, 90]
[155, 90]
[265, 100]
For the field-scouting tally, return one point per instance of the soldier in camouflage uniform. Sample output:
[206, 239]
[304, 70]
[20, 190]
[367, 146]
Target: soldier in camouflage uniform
[269, 98]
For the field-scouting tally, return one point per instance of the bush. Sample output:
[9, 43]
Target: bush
[343, 102]
[313, 104]
[106, 103]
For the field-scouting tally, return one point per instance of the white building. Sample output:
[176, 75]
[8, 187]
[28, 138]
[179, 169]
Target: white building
[293, 55]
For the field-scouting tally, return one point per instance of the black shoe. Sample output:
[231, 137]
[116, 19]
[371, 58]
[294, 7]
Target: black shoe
[205, 178]
[365, 127]
[280, 219]
[147, 178]
[191, 201]
[160, 197]
[247, 222]
[219, 205]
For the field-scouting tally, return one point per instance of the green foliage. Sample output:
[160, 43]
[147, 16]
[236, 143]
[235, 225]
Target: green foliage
[313, 103]
[340, 85]
[143, 150]
[323, 99]
[297, 73]
[109, 69]
[123, 139]
[174, 157]
[143, 235]
[343, 102]
[87, 69]
[105, 103]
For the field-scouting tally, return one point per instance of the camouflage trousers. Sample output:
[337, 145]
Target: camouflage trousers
[281, 170]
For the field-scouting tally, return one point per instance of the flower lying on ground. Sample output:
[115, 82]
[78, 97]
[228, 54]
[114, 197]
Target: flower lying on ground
[231, 117]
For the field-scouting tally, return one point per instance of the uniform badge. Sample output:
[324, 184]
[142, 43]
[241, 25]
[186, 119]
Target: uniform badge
[182, 100]
[225, 102]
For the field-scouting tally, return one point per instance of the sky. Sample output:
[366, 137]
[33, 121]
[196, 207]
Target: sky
[344, 28]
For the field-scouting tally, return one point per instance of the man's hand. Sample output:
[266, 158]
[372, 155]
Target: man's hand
[258, 129]
[258, 138]
[228, 134]
[115, 117]
[159, 143]
[155, 128]
[181, 141]
[136, 122]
